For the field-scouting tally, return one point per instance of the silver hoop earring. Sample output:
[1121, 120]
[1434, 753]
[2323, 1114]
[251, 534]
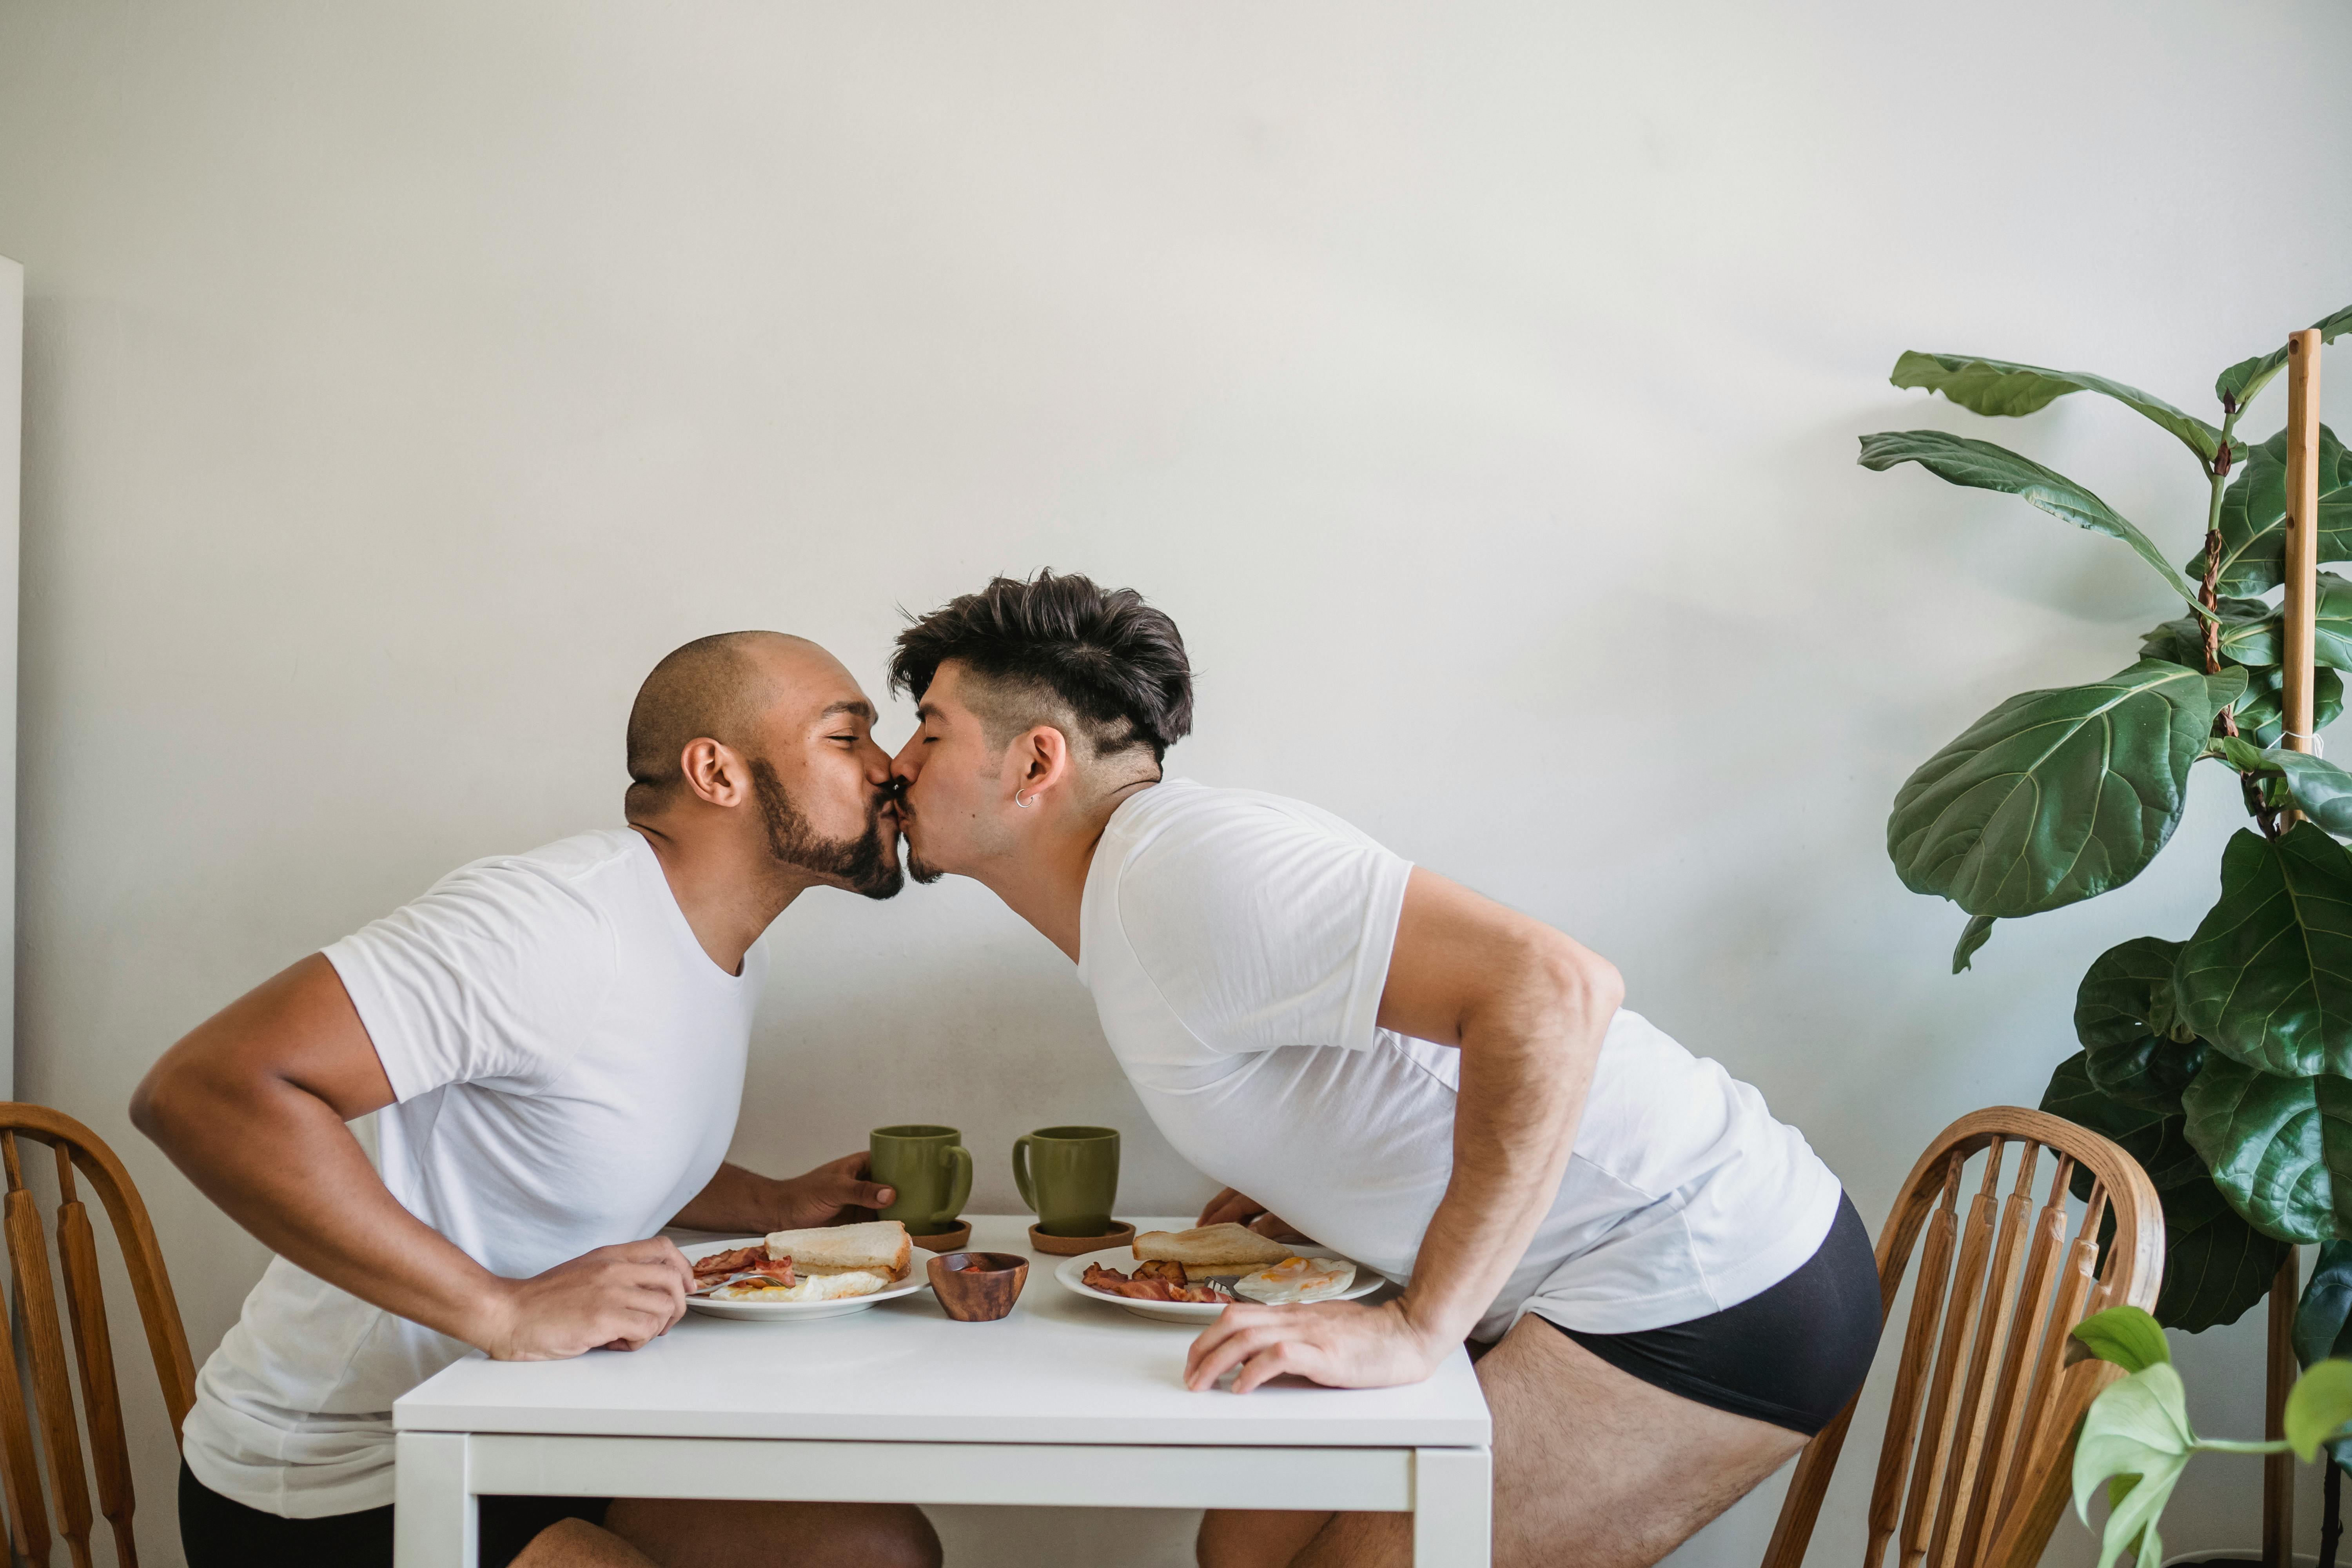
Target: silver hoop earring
[1024, 805]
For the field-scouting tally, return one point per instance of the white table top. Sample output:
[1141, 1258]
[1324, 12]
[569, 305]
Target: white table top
[1061, 1369]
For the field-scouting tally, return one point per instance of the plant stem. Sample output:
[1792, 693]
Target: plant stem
[2238, 1445]
[2331, 1526]
[2225, 722]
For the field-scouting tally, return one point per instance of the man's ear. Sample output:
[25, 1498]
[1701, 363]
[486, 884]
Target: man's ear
[716, 772]
[1041, 760]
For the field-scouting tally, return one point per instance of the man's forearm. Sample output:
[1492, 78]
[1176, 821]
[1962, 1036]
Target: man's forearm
[1527, 1061]
[737, 1201]
[282, 1164]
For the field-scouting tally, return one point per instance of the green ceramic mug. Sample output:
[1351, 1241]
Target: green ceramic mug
[1069, 1177]
[931, 1170]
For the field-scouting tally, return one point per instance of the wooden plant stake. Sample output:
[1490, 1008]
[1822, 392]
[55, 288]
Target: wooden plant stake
[2302, 531]
[2301, 615]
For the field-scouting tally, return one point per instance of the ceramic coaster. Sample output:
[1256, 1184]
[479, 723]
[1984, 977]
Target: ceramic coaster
[953, 1240]
[1119, 1235]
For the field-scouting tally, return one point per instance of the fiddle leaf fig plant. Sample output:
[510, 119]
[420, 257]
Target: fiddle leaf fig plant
[2220, 1057]
[2135, 1438]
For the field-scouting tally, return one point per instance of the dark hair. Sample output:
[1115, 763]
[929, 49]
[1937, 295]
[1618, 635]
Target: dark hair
[1115, 662]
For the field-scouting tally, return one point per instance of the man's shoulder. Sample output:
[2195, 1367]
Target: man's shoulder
[570, 888]
[583, 866]
[1170, 818]
[576, 858]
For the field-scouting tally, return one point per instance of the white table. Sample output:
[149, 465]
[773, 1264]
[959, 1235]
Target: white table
[1067, 1403]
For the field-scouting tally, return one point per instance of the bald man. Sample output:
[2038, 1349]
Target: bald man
[556, 1043]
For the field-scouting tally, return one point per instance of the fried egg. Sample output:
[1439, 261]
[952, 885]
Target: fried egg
[1298, 1280]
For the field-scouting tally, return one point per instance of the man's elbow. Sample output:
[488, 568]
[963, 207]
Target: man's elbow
[159, 1103]
[1585, 988]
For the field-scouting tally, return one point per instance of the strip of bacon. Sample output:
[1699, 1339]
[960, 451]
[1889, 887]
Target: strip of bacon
[721, 1264]
[1151, 1283]
[745, 1265]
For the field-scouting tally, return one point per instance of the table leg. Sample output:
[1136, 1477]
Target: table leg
[433, 1512]
[1453, 1508]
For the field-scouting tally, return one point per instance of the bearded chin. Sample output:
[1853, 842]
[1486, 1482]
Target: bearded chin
[862, 865]
[920, 869]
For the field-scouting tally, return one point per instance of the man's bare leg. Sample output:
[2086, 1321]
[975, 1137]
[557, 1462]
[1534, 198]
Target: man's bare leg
[669, 1533]
[576, 1543]
[678, 1534]
[1592, 1466]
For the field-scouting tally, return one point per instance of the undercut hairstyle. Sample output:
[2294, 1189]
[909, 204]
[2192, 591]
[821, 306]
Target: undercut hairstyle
[711, 688]
[1059, 649]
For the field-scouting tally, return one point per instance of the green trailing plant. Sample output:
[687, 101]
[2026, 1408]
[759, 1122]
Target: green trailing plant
[2222, 1062]
[2135, 1438]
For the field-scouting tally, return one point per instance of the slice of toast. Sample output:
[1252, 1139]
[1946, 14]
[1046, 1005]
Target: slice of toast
[1210, 1251]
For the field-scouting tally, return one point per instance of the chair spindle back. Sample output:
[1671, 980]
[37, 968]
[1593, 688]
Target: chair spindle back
[1973, 1471]
[34, 1301]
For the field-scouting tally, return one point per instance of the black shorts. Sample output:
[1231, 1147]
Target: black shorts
[1791, 1356]
[218, 1533]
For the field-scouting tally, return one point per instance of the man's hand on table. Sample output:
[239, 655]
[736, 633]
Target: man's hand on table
[1337, 1343]
[615, 1298]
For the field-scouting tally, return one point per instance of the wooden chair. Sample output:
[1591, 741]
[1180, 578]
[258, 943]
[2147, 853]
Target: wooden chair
[1975, 1467]
[34, 1301]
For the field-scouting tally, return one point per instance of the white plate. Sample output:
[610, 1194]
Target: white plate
[917, 1278]
[1122, 1259]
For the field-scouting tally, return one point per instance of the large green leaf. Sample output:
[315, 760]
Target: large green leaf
[2216, 1266]
[1999, 388]
[2261, 712]
[2323, 1319]
[1981, 465]
[2318, 1407]
[2331, 620]
[2267, 979]
[2139, 1425]
[1973, 935]
[2237, 385]
[2157, 1140]
[2248, 634]
[2253, 524]
[2320, 790]
[2055, 796]
[2280, 1148]
[2135, 1048]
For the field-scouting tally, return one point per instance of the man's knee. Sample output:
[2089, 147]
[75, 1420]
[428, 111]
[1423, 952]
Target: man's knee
[576, 1543]
[678, 1533]
[1255, 1538]
[904, 1538]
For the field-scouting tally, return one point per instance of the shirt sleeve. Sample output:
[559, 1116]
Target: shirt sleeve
[491, 975]
[1263, 929]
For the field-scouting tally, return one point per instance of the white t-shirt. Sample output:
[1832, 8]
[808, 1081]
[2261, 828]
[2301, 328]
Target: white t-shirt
[568, 1064]
[1237, 944]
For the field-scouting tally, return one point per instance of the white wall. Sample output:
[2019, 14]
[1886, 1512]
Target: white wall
[1476, 384]
[12, 427]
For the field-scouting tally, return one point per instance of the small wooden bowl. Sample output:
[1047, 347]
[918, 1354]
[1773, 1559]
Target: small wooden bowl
[978, 1287]
[1121, 1233]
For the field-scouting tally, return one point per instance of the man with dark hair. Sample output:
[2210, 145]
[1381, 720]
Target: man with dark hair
[1665, 1287]
[555, 1044]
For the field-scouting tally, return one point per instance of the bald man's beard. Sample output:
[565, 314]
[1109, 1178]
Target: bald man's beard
[862, 864]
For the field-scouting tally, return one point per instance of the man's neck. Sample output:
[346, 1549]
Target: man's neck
[1045, 883]
[724, 906]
